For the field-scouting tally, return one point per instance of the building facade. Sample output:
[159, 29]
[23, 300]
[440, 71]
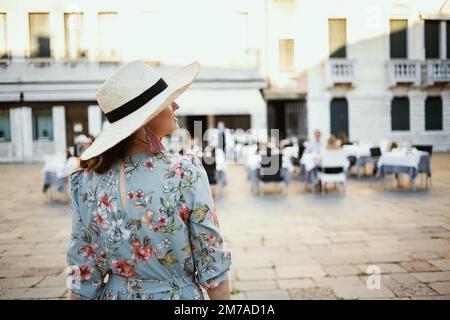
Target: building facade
[55, 54]
[374, 70]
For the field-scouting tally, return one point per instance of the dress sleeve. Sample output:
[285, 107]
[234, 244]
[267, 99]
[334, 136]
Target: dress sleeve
[84, 278]
[211, 260]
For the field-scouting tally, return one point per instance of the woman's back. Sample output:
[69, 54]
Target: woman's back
[159, 241]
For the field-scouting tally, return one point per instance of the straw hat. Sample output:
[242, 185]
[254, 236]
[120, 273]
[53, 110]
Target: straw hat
[131, 97]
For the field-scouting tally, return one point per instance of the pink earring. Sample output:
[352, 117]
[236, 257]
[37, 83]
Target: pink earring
[154, 146]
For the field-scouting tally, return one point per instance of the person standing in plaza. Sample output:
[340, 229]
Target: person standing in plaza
[316, 145]
[144, 223]
[222, 132]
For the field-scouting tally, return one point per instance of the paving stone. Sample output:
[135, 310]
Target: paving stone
[425, 256]
[442, 264]
[412, 289]
[278, 251]
[256, 273]
[302, 271]
[418, 266]
[34, 293]
[324, 293]
[239, 296]
[338, 270]
[444, 297]
[268, 295]
[390, 257]
[249, 285]
[405, 279]
[340, 280]
[30, 272]
[360, 292]
[385, 268]
[441, 287]
[22, 282]
[432, 276]
[295, 283]
[54, 281]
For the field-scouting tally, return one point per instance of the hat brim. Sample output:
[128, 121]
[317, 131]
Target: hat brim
[123, 128]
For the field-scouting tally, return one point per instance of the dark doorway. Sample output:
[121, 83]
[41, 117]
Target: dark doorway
[189, 123]
[239, 121]
[276, 117]
[76, 122]
[289, 117]
[339, 116]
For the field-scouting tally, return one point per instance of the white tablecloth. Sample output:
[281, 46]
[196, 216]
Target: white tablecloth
[357, 150]
[313, 160]
[401, 159]
[310, 160]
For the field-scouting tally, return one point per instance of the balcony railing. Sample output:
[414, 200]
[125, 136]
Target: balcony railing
[404, 71]
[341, 71]
[436, 71]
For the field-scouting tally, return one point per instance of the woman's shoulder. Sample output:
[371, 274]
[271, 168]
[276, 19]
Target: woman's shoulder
[76, 179]
[188, 159]
[191, 160]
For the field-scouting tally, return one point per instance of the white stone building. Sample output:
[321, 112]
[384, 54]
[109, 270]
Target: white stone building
[373, 69]
[56, 53]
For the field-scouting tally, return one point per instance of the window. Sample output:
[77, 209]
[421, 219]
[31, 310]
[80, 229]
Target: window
[42, 124]
[400, 114]
[3, 48]
[339, 116]
[5, 125]
[337, 33]
[432, 36]
[73, 23]
[39, 35]
[433, 113]
[398, 39]
[286, 54]
[108, 35]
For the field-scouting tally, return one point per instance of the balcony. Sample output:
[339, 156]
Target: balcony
[403, 71]
[341, 71]
[436, 71]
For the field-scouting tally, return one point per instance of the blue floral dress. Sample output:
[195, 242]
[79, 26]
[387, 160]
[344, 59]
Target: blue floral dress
[163, 243]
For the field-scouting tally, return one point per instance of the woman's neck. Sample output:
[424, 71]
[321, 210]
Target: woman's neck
[138, 145]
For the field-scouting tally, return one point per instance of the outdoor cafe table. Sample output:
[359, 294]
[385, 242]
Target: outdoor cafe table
[361, 154]
[310, 164]
[410, 162]
[253, 164]
[55, 171]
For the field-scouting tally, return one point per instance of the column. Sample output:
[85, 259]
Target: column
[94, 120]
[59, 129]
[443, 41]
[21, 134]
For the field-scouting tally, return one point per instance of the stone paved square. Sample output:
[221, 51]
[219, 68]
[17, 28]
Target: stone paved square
[295, 246]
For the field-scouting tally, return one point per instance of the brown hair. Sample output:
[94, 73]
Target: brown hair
[103, 162]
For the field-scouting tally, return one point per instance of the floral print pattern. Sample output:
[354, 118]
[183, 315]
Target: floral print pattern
[162, 243]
